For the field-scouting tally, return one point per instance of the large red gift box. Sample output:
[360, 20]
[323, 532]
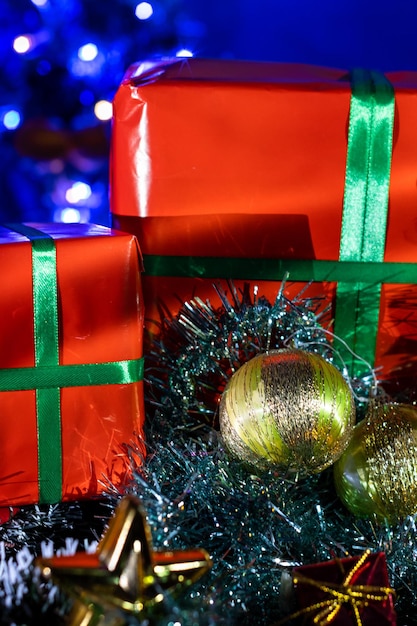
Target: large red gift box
[242, 170]
[71, 365]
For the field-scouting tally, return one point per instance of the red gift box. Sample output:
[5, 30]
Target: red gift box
[71, 367]
[230, 169]
[349, 591]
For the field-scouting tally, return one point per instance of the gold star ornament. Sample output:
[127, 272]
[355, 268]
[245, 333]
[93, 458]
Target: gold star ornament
[125, 574]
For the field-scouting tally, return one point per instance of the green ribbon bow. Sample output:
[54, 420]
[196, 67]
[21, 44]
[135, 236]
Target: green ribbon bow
[48, 376]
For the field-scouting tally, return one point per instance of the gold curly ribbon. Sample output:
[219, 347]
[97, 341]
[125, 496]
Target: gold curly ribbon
[358, 596]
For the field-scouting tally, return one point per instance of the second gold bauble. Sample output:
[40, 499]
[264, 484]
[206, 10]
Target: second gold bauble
[287, 409]
[376, 476]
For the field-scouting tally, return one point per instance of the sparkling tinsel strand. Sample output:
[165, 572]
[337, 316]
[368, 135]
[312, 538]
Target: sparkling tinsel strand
[197, 351]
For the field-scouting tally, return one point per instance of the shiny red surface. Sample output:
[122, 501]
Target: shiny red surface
[101, 319]
[229, 158]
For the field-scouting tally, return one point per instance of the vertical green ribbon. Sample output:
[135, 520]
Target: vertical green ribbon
[365, 210]
[48, 376]
[46, 343]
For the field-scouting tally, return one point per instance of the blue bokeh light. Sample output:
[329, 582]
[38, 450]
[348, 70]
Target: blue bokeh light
[43, 67]
[87, 97]
[63, 60]
[11, 119]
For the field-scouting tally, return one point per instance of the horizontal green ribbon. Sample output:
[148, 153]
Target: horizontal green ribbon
[80, 375]
[276, 269]
[47, 377]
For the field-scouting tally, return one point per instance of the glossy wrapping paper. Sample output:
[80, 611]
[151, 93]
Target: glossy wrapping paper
[319, 584]
[100, 318]
[247, 160]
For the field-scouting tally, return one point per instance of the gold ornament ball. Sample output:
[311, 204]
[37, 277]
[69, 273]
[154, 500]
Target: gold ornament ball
[287, 409]
[376, 476]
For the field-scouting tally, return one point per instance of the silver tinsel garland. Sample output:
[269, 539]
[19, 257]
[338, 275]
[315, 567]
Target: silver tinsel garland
[255, 527]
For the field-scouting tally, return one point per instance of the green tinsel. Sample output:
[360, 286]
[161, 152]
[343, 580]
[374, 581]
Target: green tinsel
[255, 527]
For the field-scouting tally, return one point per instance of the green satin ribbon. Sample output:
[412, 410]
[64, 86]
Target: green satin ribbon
[275, 269]
[48, 376]
[365, 210]
[45, 326]
[81, 375]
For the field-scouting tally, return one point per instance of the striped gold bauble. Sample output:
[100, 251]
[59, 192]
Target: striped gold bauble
[287, 409]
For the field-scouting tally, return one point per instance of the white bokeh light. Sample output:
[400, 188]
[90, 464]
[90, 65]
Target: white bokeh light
[88, 52]
[78, 192]
[144, 10]
[22, 44]
[70, 216]
[103, 110]
[184, 52]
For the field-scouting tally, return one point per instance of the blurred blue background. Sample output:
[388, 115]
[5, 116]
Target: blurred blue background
[62, 61]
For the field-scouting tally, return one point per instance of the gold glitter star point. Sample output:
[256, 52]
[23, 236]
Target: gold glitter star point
[125, 574]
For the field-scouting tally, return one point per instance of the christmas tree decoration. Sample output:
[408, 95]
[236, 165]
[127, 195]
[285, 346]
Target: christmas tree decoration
[257, 527]
[196, 352]
[377, 474]
[287, 409]
[351, 590]
[227, 171]
[125, 573]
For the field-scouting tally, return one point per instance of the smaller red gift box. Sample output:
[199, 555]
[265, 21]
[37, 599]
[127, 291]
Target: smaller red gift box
[71, 362]
[349, 591]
